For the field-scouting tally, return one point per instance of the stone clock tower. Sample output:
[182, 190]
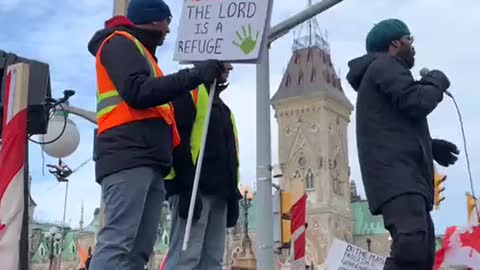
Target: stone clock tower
[313, 113]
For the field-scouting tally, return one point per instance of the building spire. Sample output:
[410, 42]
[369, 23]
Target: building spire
[81, 217]
[310, 27]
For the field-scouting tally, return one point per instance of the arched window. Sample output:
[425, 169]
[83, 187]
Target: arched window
[314, 75]
[165, 239]
[287, 81]
[309, 180]
[297, 58]
[300, 78]
[296, 174]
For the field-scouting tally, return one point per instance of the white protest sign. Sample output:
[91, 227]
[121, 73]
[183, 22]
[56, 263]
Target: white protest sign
[344, 256]
[225, 30]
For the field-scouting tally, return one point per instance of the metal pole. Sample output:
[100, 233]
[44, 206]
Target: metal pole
[120, 7]
[198, 168]
[264, 232]
[87, 115]
[51, 254]
[63, 226]
[25, 259]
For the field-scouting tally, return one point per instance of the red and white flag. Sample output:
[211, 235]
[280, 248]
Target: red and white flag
[460, 248]
[12, 161]
[297, 229]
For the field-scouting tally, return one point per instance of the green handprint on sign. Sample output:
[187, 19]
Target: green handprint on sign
[247, 43]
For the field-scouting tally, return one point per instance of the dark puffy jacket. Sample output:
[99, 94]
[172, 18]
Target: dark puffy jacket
[393, 138]
[140, 143]
[219, 169]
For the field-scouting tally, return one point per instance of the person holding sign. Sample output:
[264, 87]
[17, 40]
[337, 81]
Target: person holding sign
[395, 149]
[136, 130]
[217, 202]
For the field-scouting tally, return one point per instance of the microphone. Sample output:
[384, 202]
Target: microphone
[424, 71]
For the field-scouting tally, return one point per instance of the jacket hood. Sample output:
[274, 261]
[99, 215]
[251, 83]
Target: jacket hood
[111, 25]
[358, 67]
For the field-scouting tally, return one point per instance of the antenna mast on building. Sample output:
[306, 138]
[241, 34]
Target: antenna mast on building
[309, 35]
[81, 217]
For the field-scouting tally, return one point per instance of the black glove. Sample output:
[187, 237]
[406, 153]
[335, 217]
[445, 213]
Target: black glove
[444, 152]
[221, 87]
[209, 70]
[233, 212]
[437, 78]
[184, 205]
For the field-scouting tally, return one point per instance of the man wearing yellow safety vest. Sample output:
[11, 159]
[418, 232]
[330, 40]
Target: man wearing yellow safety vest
[217, 204]
[136, 130]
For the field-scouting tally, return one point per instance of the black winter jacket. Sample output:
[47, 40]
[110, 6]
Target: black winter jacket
[140, 143]
[219, 168]
[393, 138]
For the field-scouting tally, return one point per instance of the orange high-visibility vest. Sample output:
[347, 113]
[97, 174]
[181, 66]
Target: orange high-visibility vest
[113, 111]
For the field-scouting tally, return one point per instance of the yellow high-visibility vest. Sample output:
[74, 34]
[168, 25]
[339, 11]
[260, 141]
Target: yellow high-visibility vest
[200, 99]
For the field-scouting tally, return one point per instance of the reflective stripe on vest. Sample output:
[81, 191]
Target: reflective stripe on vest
[200, 99]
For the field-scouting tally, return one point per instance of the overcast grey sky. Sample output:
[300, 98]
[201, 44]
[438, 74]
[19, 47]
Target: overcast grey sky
[445, 34]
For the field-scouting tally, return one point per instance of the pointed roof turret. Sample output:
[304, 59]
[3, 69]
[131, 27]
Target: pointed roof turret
[310, 71]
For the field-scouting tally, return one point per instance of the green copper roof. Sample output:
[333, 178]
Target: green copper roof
[364, 222]
[70, 252]
[438, 243]
[94, 225]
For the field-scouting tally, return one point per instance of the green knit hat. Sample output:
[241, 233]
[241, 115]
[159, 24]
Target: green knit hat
[383, 33]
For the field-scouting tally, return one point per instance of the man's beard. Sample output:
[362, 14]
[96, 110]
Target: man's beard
[154, 37]
[408, 56]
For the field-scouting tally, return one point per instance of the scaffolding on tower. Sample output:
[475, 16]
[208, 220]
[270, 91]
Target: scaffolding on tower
[309, 35]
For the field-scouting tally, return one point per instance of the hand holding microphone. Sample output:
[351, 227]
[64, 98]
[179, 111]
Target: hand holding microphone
[437, 78]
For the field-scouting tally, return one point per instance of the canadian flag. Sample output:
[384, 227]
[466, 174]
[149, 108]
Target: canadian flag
[12, 160]
[460, 248]
[297, 229]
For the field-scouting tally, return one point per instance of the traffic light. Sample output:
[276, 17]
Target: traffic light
[438, 189]
[286, 205]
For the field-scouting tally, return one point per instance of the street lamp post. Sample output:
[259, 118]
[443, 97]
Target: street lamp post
[246, 203]
[61, 140]
[53, 236]
[246, 259]
[120, 7]
[264, 148]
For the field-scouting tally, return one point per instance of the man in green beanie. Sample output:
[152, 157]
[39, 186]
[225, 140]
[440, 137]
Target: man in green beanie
[395, 150]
